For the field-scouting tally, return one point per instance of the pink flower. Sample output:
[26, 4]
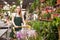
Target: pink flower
[21, 35]
[55, 15]
[31, 33]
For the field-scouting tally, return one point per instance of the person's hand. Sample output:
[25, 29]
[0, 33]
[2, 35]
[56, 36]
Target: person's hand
[16, 26]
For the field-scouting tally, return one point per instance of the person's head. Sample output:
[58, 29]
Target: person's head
[18, 10]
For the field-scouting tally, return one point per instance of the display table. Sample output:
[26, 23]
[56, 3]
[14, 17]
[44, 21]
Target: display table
[3, 31]
[5, 26]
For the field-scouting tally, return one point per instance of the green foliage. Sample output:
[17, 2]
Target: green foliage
[56, 21]
[35, 25]
[46, 15]
[51, 2]
[37, 3]
[1, 10]
[12, 9]
[18, 2]
[34, 5]
[46, 30]
[58, 10]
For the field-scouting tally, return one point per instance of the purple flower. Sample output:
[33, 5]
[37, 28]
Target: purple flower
[26, 33]
[21, 35]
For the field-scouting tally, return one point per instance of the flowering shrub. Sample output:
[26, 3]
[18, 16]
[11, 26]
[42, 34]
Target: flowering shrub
[23, 34]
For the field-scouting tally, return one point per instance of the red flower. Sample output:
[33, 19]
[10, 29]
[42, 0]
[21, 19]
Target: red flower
[55, 15]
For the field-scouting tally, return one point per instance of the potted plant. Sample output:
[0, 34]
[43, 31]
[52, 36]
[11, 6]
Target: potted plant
[57, 24]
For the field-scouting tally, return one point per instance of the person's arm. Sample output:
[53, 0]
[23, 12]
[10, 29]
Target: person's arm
[13, 21]
[22, 18]
[13, 24]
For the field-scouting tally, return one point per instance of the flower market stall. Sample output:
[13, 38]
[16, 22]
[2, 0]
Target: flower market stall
[41, 21]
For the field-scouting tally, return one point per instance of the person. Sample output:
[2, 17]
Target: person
[16, 20]
[6, 17]
[25, 16]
